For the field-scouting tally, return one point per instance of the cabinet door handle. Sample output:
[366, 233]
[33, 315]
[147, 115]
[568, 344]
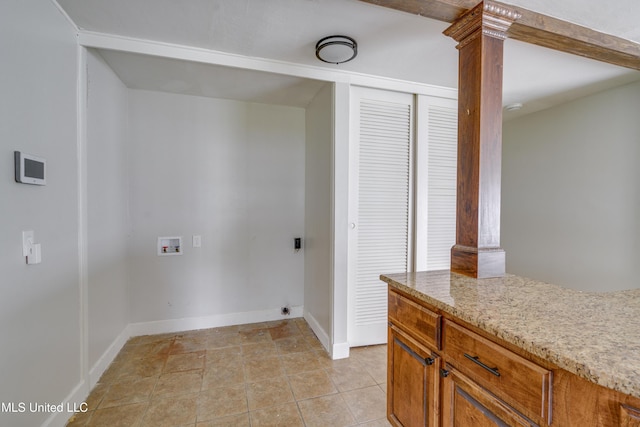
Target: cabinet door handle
[429, 361]
[444, 373]
[475, 359]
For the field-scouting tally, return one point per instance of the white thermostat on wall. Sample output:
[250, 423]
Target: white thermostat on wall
[30, 169]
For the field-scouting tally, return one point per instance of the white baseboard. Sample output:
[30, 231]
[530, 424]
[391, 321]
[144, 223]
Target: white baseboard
[340, 350]
[336, 351]
[215, 321]
[322, 335]
[74, 401]
[107, 357]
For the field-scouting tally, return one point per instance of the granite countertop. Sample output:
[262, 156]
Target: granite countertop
[593, 335]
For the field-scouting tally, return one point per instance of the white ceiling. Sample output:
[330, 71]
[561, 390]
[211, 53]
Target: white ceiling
[390, 44]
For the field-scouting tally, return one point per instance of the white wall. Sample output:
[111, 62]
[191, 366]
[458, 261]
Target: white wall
[318, 206]
[40, 359]
[108, 224]
[571, 192]
[232, 172]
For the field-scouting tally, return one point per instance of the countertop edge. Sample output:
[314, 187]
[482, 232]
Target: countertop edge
[529, 344]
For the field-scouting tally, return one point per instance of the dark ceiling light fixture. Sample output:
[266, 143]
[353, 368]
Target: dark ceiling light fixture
[336, 49]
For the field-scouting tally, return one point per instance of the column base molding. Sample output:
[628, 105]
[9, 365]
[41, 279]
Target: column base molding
[481, 263]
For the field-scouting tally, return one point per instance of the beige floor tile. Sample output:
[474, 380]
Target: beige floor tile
[221, 402]
[171, 412]
[366, 404]
[188, 344]
[185, 362]
[142, 368]
[96, 396]
[328, 363]
[223, 340]
[253, 326]
[283, 329]
[374, 354]
[112, 373]
[148, 339]
[119, 416]
[259, 350]
[177, 383]
[377, 371]
[383, 387]
[314, 343]
[302, 325]
[218, 355]
[295, 344]
[245, 375]
[311, 384]
[262, 369]
[153, 349]
[326, 411]
[382, 422]
[286, 415]
[249, 336]
[271, 392]
[223, 374]
[295, 363]
[79, 419]
[128, 391]
[240, 420]
[350, 377]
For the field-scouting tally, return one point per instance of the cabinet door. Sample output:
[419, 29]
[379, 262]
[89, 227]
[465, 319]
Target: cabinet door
[629, 417]
[464, 404]
[413, 384]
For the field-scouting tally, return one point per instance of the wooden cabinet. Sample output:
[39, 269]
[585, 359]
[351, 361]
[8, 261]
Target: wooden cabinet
[515, 380]
[440, 373]
[466, 404]
[413, 384]
[445, 372]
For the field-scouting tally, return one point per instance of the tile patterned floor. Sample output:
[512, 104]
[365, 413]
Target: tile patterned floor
[265, 374]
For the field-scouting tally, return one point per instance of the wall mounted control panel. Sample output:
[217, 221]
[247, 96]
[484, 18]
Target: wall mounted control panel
[30, 169]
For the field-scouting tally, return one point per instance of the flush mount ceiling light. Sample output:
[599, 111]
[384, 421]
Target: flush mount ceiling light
[336, 49]
[514, 107]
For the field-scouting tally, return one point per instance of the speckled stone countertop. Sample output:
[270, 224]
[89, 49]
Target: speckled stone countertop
[593, 335]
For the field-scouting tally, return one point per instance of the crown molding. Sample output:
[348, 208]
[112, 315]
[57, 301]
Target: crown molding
[487, 18]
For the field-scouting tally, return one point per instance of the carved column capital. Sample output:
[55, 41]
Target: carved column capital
[486, 18]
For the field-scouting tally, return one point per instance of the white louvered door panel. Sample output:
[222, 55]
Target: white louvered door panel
[442, 146]
[380, 206]
[435, 182]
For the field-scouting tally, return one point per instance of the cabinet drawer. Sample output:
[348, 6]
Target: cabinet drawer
[517, 381]
[421, 322]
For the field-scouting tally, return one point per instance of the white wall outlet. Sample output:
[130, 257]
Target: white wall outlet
[27, 243]
[36, 256]
[197, 241]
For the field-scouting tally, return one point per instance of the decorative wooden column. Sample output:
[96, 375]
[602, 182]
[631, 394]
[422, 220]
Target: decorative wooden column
[480, 34]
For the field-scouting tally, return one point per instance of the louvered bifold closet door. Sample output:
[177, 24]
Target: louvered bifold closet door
[381, 231]
[442, 146]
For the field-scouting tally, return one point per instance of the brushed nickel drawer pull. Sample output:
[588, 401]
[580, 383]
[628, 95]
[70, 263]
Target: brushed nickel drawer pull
[475, 359]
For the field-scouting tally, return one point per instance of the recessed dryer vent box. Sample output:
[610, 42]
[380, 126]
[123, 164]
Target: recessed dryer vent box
[169, 246]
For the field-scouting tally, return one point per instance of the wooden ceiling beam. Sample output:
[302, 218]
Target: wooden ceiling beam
[536, 28]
